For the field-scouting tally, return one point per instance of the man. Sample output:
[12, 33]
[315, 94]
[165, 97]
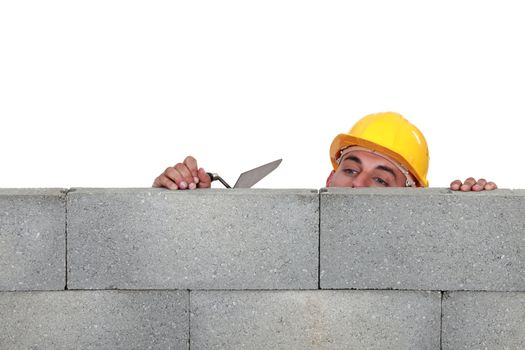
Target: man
[381, 150]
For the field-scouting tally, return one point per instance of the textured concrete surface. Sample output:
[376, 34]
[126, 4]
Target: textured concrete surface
[483, 320]
[32, 239]
[203, 239]
[315, 320]
[94, 320]
[428, 239]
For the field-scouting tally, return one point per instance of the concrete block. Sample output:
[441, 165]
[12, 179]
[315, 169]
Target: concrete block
[94, 320]
[32, 239]
[422, 239]
[202, 239]
[483, 320]
[315, 320]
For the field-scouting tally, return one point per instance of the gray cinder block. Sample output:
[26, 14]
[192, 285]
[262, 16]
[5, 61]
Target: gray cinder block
[32, 239]
[315, 320]
[483, 320]
[427, 239]
[202, 239]
[94, 320]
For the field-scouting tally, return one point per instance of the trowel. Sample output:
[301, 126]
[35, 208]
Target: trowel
[250, 177]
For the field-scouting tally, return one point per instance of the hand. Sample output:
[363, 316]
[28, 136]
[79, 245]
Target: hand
[471, 184]
[183, 176]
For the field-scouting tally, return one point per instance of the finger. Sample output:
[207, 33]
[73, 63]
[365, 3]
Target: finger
[455, 185]
[465, 188]
[467, 185]
[490, 186]
[482, 182]
[204, 179]
[470, 181]
[156, 183]
[186, 177]
[166, 182]
[479, 185]
[173, 175]
[191, 164]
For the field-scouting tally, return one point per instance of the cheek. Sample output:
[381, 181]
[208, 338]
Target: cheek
[339, 180]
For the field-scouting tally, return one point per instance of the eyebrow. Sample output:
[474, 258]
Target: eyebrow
[354, 158]
[379, 167]
[387, 169]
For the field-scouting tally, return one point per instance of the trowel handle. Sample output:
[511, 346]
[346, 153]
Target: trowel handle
[214, 176]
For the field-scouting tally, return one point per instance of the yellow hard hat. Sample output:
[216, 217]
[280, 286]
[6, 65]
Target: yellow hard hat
[392, 135]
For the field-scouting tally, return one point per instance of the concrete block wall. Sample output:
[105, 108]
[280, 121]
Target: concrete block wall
[257, 269]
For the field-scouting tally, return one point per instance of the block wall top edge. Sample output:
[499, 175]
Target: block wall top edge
[72, 292]
[518, 293]
[197, 192]
[417, 192]
[355, 191]
[32, 191]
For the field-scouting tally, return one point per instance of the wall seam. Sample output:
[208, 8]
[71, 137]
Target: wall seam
[189, 319]
[66, 192]
[441, 323]
[319, 245]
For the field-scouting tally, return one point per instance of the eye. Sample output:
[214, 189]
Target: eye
[350, 171]
[380, 181]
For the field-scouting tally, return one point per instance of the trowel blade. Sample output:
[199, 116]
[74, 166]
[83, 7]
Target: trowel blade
[251, 177]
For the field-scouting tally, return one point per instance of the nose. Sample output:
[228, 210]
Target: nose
[359, 181]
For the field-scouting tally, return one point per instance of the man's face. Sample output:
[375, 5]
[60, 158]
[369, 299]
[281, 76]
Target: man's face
[365, 169]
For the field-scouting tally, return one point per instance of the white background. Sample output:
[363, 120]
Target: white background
[109, 93]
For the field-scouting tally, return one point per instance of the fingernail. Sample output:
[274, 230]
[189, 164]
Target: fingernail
[173, 187]
[193, 186]
[183, 185]
[196, 179]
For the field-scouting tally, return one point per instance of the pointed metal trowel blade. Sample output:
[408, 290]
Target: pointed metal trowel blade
[251, 177]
